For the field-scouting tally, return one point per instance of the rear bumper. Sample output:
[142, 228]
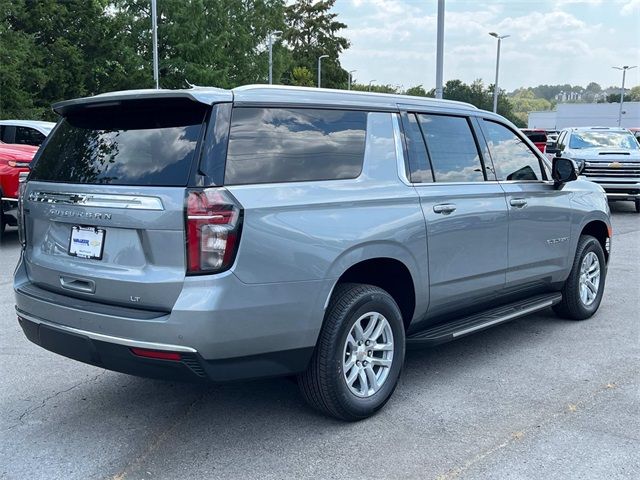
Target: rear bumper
[229, 329]
[116, 354]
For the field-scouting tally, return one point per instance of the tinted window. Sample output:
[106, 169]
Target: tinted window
[512, 158]
[452, 148]
[134, 145]
[288, 145]
[28, 136]
[419, 168]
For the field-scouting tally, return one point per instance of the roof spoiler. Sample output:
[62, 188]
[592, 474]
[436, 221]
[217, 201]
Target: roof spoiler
[207, 96]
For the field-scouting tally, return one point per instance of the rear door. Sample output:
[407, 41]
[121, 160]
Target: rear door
[539, 214]
[104, 206]
[464, 209]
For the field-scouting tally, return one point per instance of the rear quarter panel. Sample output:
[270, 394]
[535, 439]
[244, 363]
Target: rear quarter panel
[306, 231]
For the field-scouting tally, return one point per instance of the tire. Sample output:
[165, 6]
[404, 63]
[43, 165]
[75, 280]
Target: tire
[573, 305]
[2, 224]
[324, 384]
[637, 206]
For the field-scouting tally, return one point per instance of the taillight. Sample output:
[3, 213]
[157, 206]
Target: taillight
[22, 234]
[213, 224]
[13, 163]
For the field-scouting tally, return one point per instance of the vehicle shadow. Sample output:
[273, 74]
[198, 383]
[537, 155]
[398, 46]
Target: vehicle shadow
[9, 237]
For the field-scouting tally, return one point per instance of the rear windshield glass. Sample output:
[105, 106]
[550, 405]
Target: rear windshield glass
[140, 143]
[269, 145]
[537, 137]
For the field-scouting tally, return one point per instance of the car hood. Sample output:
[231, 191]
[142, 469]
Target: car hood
[604, 154]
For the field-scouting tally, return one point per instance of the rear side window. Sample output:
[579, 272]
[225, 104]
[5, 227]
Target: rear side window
[271, 145]
[512, 158]
[28, 136]
[452, 148]
[420, 170]
[136, 143]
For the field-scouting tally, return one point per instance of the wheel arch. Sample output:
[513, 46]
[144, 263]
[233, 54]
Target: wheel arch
[600, 230]
[397, 274]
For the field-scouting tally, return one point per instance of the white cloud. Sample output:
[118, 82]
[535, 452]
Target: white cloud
[630, 7]
[559, 41]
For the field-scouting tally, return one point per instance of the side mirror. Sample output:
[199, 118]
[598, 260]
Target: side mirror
[553, 149]
[563, 170]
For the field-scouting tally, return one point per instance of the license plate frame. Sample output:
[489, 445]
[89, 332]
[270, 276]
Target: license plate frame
[87, 242]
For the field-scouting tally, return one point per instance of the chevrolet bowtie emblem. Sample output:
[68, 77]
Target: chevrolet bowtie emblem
[615, 165]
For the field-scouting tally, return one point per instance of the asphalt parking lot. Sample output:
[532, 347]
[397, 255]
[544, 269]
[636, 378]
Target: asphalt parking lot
[536, 398]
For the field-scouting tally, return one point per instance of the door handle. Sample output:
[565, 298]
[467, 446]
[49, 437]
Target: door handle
[518, 202]
[77, 284]
[444, 208]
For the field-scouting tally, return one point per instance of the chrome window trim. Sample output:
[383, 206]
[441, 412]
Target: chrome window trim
[401, 162]
[127, 342]
[103, 200]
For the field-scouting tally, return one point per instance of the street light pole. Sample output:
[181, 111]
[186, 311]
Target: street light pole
[495, 86]
[624, 74]
[154, 33]
[320, 69]
[370, 82]
[351, 72]
[440, 49]
[276, 34]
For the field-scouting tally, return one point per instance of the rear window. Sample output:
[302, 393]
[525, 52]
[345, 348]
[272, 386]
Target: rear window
[536, 137]
[271, 145]
[136, 143]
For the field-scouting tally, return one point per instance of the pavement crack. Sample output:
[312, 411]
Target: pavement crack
[30, 410]
[159, 439]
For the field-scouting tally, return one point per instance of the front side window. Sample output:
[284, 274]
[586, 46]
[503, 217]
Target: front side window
[512, 158]
[452, 148]
[272, 145]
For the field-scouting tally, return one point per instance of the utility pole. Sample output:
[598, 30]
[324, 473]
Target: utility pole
[624, 74]
[320, 69]
[276, 34]
[495, 86]
[370, 82]
[154, 33]
[440, 49]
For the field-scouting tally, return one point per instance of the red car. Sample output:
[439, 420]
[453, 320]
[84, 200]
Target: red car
[14, 160]
[537, 136]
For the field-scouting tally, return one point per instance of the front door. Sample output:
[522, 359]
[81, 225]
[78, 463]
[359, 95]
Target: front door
[466, 215]
[539, 214]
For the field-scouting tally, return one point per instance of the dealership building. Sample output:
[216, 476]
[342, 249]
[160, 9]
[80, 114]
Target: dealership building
[586, 115]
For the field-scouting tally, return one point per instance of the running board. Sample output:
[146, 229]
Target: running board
[446, 332]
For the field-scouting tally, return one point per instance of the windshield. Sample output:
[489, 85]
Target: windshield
[603, 139]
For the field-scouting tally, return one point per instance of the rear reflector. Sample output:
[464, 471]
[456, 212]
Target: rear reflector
[157, 354]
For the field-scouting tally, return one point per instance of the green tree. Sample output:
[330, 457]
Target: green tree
[313, 30]
[417, 91]
[302, 77]
[373, 88]
[634, 94]
[205, 42]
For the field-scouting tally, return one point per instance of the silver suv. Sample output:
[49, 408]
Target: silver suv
[211, 234]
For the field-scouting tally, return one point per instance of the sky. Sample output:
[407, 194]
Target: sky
[552, 41]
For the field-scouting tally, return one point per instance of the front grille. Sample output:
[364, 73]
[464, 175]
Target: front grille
[606, 170]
